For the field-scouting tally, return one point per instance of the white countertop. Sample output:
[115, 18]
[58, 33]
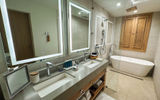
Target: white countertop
[79, 75]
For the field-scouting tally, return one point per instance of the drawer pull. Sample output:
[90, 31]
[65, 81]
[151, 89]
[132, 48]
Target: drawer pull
[81, 91]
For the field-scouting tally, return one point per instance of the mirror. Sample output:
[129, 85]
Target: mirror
[32, 29]
[79, 28]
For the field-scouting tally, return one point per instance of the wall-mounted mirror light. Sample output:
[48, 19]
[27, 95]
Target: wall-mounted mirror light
[79, 28]
[32, 29]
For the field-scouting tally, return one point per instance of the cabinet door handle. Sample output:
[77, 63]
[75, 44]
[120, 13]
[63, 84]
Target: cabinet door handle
[81, 91]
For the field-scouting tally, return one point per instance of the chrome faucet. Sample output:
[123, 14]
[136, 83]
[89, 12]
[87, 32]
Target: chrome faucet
[49, 65]
[85, 53]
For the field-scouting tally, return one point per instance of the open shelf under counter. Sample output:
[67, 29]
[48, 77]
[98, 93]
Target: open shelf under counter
[97, 91]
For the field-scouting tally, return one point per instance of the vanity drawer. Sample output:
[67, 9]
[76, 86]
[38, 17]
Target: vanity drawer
[82, 91]
[98, 76]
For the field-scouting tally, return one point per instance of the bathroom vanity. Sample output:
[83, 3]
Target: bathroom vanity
[81, 81]
[39, 38]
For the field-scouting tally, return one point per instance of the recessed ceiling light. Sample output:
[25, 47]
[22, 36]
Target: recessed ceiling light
[135, 11]
[118, 4]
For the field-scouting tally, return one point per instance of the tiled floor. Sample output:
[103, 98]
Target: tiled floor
[104, 96]
[123, 87]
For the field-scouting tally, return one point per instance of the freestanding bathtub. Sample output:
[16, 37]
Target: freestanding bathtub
[131, 65]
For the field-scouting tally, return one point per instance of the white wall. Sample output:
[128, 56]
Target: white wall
[152, 41]
[43, 19]
[156, 75]
[98, 11]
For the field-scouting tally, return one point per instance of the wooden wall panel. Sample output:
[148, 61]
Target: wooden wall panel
[135, 32]
[127, 31]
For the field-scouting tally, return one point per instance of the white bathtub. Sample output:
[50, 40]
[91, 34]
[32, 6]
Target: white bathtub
[131, 65]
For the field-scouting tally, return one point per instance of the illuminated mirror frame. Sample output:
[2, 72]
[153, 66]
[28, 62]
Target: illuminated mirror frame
[10, 39]
[70, 27]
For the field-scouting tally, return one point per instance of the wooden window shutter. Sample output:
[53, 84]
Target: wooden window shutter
[135, 32]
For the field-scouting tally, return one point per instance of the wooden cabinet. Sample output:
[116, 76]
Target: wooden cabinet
[135, 32]
[81, 92]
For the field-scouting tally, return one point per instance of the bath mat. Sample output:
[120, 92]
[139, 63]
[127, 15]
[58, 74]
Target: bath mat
[103, 96]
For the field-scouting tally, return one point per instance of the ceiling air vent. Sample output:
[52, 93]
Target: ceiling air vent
[131, 9]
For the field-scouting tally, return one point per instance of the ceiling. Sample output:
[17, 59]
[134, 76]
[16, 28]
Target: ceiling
[143, 6]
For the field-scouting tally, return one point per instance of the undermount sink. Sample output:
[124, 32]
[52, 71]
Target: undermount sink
[50, 85]
[91, 64]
